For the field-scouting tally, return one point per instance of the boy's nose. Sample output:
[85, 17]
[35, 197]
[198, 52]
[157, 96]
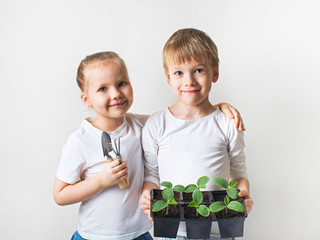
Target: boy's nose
[189, 79]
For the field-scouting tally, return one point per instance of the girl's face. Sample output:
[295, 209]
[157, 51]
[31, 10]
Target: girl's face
[108, 91]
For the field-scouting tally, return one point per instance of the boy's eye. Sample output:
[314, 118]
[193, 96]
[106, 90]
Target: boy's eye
[199, 70]
[103, 89]
[123, 83]
[178, 73]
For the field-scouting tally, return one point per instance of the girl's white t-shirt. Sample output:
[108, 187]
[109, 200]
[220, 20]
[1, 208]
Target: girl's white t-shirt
[111, 213]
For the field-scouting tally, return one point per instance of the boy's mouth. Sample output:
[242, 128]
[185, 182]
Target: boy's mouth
[119, 104]
[190, 91]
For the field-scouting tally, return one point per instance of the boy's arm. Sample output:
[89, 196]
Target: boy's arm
[145, 197]
[232, 113]
[151, 176]
[243, 186]
[65, 193]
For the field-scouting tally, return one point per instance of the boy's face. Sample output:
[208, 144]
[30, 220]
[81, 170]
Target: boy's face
[108, 91]
[191, 82]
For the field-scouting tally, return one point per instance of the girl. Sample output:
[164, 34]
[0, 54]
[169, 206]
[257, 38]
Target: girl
[83, 175]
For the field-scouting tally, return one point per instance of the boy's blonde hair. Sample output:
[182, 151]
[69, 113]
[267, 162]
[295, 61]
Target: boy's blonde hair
[93, 60]
[189, 44]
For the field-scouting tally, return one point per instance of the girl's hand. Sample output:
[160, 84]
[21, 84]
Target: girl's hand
[232, 113]
[112, 174]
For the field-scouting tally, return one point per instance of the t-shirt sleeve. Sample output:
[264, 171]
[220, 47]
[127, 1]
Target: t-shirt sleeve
[72, 162]
[236, 152]
[150, 149]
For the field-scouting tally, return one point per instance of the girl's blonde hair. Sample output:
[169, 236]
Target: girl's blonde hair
[95, 59]
[189, 44]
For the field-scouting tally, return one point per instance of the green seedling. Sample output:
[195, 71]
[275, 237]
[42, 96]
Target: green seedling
[168, 197]
[196, 203]
[176, 188]
[231, 193]
[201, 183]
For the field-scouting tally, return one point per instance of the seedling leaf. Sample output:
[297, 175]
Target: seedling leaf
[172, 201]
[236, 206]
[232, 192]
[197, 196]
[203, 210]
[178, 188]
[233, 183]
[226, 200]
[159, 205]
[190, 188]
[221, 182]
[167, 194]
[193, 204]
[202, 181]
[217, 206]
[166, 184]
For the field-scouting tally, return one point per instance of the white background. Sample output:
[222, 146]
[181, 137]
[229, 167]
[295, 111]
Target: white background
[270, 55]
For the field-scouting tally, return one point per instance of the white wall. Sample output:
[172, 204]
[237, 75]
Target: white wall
[270, 57]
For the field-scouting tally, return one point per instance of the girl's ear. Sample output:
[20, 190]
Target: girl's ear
[85, 100]
[215, 75]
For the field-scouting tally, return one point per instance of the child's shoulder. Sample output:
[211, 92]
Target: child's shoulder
[157, 117]
[222, 120]
[136, 119]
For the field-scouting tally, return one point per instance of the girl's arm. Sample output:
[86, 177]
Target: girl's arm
[232, 113]
[65, 193]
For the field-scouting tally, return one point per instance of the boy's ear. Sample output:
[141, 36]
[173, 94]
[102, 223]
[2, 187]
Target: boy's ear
[85, 100]
[215, 74]
[168, 79]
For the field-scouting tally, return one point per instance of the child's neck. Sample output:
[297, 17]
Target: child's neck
[187, 112]
[107, 124]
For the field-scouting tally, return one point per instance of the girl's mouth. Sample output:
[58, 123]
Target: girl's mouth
[118, 105]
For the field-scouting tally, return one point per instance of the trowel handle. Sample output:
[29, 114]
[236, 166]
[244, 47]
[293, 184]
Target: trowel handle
[124, 183]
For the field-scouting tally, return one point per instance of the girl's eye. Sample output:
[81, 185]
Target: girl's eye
[178, 73]
[103, 89]
[200, 70]
[121, 84]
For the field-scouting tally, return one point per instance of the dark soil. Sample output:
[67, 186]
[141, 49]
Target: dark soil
[190, 213]
[187, 197]
[174, 212]
[231, 213]
[157, 195]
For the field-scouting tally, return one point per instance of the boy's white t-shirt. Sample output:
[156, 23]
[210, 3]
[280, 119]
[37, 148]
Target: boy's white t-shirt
[111, 213]
[181, 151]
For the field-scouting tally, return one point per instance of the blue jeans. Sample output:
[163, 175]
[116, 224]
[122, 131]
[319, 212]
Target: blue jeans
[185, 238]
[145, 236]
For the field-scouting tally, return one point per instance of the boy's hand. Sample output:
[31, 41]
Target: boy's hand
[247, 200]
[145, 198]
[232, 113]
[112, 174]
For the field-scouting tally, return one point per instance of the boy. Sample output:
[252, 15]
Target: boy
[192, 138]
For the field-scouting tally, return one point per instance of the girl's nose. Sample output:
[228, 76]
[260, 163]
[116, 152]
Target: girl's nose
[115, 93]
